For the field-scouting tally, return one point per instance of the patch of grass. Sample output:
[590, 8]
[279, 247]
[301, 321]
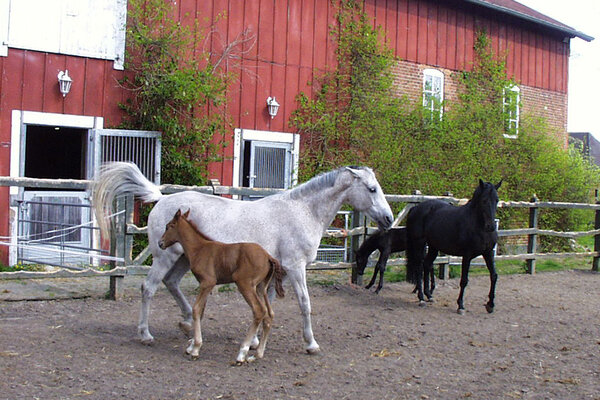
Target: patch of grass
[228, 287]
[23, 267]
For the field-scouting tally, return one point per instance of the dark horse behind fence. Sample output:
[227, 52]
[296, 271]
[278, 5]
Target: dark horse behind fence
[468, 231]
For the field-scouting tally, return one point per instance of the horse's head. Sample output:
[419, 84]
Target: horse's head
[361, 262]
[365, 195]
[171, 235]
[486, 200]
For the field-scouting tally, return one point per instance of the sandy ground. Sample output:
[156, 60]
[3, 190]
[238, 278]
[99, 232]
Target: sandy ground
[542, 342]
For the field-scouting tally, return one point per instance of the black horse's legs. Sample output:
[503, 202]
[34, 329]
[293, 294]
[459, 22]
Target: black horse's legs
[381, 266]
[489, 262]
[464, 281]
[428, 271]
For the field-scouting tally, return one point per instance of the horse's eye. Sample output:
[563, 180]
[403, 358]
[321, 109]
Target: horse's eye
[372, 189]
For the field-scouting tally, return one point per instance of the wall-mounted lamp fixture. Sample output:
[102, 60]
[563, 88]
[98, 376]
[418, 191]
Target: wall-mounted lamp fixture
[272, 106]
[64, 82]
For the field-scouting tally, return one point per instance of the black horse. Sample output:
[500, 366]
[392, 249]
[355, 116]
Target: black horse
[467, 231]
[387, 242]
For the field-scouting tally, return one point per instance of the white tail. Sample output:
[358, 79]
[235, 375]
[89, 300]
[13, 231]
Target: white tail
[115, 179]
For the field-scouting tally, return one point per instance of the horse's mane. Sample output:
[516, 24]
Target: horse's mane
[195, 228]
[323, 180]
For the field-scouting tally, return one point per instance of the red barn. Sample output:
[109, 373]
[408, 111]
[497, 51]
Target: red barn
[45, 134]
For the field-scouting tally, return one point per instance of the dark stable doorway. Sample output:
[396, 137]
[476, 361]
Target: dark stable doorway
[55, 152]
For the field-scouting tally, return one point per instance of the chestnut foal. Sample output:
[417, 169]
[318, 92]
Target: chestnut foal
[212, 263]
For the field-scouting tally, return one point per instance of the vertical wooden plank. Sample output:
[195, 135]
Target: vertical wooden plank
[93, 92]
[422, 32]
[278, 89]
[412, 31]
[294, 33]
[331, 45]
[552, 66]
[391, 29]
[321, 34]
[451, 41]
[402, 29]
[307, 43]
[34, 75]
[518, 53]
[432, 27]
[292, 74]
[470, 33]
[460, 40]
[53, 100]
[545, 50]
[525, 58]
[533, 62]
[73, 102]
[442, 36]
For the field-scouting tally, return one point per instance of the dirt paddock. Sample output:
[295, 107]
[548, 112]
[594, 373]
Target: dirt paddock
[542, 342]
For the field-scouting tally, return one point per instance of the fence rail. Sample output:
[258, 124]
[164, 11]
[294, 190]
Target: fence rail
[124, 244]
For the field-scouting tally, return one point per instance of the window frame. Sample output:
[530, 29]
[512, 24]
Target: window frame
[507, 115]
[429, 105]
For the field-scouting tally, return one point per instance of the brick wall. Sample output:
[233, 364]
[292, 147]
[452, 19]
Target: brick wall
[552, 106]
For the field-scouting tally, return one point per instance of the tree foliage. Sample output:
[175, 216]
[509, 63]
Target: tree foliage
[175, 90]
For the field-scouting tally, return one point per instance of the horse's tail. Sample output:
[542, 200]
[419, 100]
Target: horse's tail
[278, 274]
[115, 179]
[415, 247]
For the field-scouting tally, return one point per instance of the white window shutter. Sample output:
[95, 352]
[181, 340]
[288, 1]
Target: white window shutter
[4, 15]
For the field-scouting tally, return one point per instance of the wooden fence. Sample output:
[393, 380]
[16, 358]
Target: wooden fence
[122, 241]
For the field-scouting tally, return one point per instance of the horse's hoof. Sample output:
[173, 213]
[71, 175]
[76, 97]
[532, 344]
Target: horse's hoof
[186, 328]
[422, 303]
[147, 341]
[431, 300]
[194, 358]
[461, 311]
[313, 349]
[489, 309]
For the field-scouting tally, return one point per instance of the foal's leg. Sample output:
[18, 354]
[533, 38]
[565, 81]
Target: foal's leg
[381, 263]
[428, 272]
[161, 265]
[489, 262]
[297, 276]
[267, 321]
[248, 290]
[197, 312]
[464, 281]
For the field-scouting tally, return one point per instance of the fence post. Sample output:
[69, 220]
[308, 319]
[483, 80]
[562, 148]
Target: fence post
[444, 268]
[596, 259]
[532, 238]
[357, 218]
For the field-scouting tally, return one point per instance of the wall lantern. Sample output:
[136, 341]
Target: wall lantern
[273, 106]
[64, 82]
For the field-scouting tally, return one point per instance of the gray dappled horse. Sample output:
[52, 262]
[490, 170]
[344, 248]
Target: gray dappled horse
[289, 225]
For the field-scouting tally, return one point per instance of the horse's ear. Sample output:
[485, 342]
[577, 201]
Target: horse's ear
[497, 186]
[481, 183]
[178, 214]
[354, 171]
[187, 214]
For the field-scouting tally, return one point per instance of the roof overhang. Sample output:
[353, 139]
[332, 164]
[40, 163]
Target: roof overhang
[568, 31]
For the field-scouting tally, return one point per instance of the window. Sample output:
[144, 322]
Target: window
[510, 108]
[433, 92]
[265, 159]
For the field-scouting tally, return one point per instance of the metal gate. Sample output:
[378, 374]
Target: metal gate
[55, 229]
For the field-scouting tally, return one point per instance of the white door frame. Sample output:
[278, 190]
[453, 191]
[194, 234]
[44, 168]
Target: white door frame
[20, 119]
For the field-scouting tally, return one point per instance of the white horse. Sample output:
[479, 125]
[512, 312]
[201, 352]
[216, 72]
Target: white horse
[289, 225]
